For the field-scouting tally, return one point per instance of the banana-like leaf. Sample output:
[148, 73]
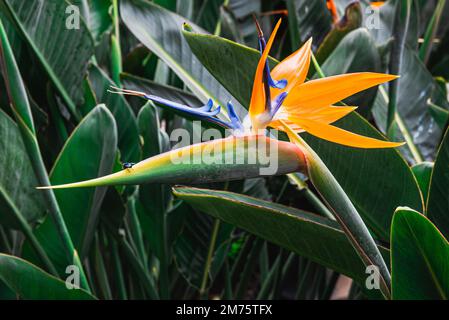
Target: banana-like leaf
[160, 31]
[361, 173]
[232, 158]
[96, 136]
[419, 258]
[17, 178]
[66, 53]
[307, 234]
[32, 283]
[438, 203]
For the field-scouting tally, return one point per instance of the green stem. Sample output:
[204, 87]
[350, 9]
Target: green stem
[139, 270]
[263, 293]
[118, 270]
[249, 267]
[4, 241]
[100, 270]
[136, 230]
[400, 31]
[317, 66]
[116, 51]
[210, 253]
[431, 31]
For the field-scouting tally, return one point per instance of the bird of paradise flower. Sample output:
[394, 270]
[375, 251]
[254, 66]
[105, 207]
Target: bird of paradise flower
[298, 105]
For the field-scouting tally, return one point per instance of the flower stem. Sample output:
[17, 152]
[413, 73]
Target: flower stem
[210, 253]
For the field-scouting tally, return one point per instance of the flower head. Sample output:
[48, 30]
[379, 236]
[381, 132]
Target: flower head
[309, 106]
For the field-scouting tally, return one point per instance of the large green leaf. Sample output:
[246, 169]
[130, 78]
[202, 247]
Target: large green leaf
[128, 134]
[65, 54]
[89, 152]
[31, 282]
[160, 31]
[365, 175]
[232, 64]
[438, 201]
[307, 234]
[17, 179]
[419, 258]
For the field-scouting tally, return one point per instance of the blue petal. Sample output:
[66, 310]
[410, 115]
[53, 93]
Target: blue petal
[235, 120]
[278, 103]
[278, 84]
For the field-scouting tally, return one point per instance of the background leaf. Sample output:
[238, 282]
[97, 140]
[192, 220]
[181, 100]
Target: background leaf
[78, 44]
[419, 258]
[96, 135]
[438, 203]
[30, 282]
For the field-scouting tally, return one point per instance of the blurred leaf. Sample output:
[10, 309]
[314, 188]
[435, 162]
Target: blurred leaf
[308, 19]
[356, 52]
[242, 11]
[154, 197]
[362, 173]
[30, 282]
[350, 21]
[17, 179]
[128, 135]
[160, 31]
[416, 86]
[209, 14]
[66, 65]
[192, 245]
[419, 258]
[438, 202]
[422, 172]
[382, 25]
[96, 137]
[290, 228]
[100, 20]
[440, 115]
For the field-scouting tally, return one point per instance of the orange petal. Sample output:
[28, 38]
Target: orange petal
[337, 135]
[257, 104]
[327, 115]
[330, 90]
[294, 68]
